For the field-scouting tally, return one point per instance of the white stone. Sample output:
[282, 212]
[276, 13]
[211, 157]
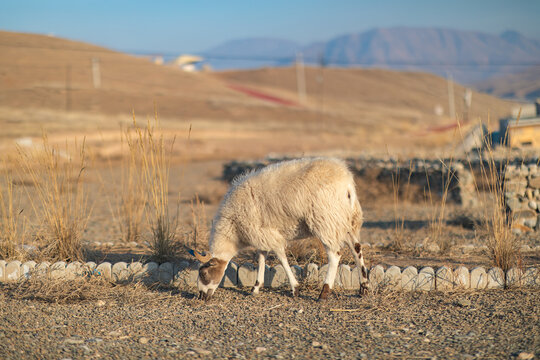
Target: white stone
[322, 273]
[276, 276]
[392, 278]
[135, 271]
[376, 276]
[89, 267]
[513, 277]
[166, 273]
[58, 270]
[479, 278]
[150, 273]
[344, 277]
[2, 270]
[311, 274]
[27, 269]
[13, 270]
[42, 269]
[444, 278]
[495, 278]
[297, 272]
[187, 276]
[408, 278]
[104, 270]
[426, 279]
[355, 278]
[531, 277]
[247, 275]
[230, 279]
[74, 269]
[119, 272]
[462, 278]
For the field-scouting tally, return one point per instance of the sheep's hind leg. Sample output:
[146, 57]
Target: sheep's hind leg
[292, 280]
[356, 250]
[259, 283]
[333, 262]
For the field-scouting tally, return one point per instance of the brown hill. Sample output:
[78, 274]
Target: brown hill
[524, 86]
[48, 82]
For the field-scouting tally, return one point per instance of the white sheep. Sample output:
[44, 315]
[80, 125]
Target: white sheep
[285, 201]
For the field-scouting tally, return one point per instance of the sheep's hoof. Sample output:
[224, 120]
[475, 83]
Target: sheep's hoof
[255, 290]
[325, 292]
[364, 288]
[296, 291]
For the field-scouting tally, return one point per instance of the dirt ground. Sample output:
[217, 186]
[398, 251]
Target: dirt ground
[138, 323]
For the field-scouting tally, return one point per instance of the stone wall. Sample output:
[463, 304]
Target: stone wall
[412, 180]
[184, 275]
[459, 181]
[522, 196]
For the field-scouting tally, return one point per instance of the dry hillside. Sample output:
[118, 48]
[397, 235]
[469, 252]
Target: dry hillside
[47, 82]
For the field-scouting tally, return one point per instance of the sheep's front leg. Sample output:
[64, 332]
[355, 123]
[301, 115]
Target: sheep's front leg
[259, 283]
[280, 253]
[333, 262]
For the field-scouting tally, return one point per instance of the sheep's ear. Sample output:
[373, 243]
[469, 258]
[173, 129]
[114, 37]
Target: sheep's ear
[202, 258]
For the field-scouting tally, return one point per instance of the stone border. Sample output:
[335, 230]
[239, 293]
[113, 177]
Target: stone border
[184, 275]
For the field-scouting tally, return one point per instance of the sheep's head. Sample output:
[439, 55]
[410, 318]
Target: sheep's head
[210, 274]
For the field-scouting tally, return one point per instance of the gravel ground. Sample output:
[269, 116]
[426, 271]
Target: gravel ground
[135, 322]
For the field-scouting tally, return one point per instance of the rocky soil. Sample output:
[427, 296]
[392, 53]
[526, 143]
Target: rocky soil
[134, 322]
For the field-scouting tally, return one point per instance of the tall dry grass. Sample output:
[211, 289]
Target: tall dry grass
[155, 155]
[132, 196]
[12, 225]
[58, 196]
[398, 244]
[199, 232]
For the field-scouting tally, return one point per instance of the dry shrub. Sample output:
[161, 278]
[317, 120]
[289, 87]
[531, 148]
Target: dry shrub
[155, 157]
[58, 197]
[307, 250]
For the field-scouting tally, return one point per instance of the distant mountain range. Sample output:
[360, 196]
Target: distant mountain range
[469, 56]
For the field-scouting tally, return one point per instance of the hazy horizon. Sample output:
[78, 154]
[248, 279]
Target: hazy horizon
[174, 27]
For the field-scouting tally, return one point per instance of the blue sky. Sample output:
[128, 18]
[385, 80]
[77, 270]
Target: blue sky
[191, 26]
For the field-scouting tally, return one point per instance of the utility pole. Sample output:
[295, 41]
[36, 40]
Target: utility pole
[96, 73]
[451, 101]
[300, 78]
[68, 87]
[467, 101]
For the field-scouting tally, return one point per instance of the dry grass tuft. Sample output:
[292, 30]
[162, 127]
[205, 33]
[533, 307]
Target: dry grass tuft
[502, 244]
[155, 155]
[58, 197]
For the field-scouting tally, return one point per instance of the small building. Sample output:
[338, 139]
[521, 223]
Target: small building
[187, 62]
[523, 131]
